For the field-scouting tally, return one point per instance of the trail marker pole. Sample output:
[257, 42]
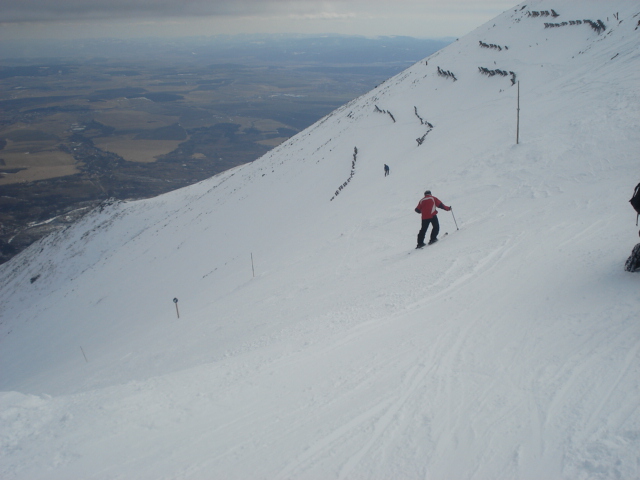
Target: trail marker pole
[253, 271]
[518, 117]
[175, 300]
[85, 357]
[454, 219]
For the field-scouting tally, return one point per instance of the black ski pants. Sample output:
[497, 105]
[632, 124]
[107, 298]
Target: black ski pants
[425, 225]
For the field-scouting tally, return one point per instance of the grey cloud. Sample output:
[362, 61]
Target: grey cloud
[55, 10]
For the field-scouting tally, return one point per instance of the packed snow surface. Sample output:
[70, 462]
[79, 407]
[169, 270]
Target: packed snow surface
[313, 341]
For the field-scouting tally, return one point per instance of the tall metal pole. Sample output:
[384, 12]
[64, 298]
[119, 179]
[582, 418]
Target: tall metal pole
[518, 117]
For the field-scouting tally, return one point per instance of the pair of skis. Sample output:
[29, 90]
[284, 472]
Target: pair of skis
[427, 244]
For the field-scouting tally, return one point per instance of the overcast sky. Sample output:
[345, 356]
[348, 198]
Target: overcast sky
[127, 18]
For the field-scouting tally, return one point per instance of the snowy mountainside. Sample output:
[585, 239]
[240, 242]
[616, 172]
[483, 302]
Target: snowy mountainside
[313, 341]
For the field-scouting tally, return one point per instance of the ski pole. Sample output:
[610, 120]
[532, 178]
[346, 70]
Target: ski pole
[454, 219]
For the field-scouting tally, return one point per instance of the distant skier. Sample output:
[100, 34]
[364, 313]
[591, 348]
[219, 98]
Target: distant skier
[386, 170]
[427, 208]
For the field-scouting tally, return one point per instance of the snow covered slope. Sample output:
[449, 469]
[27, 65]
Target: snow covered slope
[313, 342]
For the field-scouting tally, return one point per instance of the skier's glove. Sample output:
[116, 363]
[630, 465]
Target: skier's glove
[418, 211]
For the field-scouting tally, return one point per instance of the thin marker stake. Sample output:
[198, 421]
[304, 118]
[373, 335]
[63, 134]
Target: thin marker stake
[85, 357]
[253, 271]
[175, 300]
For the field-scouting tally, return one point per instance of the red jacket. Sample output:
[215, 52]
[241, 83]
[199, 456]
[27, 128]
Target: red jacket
[427, 207]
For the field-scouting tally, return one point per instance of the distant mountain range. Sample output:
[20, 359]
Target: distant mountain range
[339, 49]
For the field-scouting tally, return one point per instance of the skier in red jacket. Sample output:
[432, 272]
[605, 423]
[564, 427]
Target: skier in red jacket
[427, 207]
